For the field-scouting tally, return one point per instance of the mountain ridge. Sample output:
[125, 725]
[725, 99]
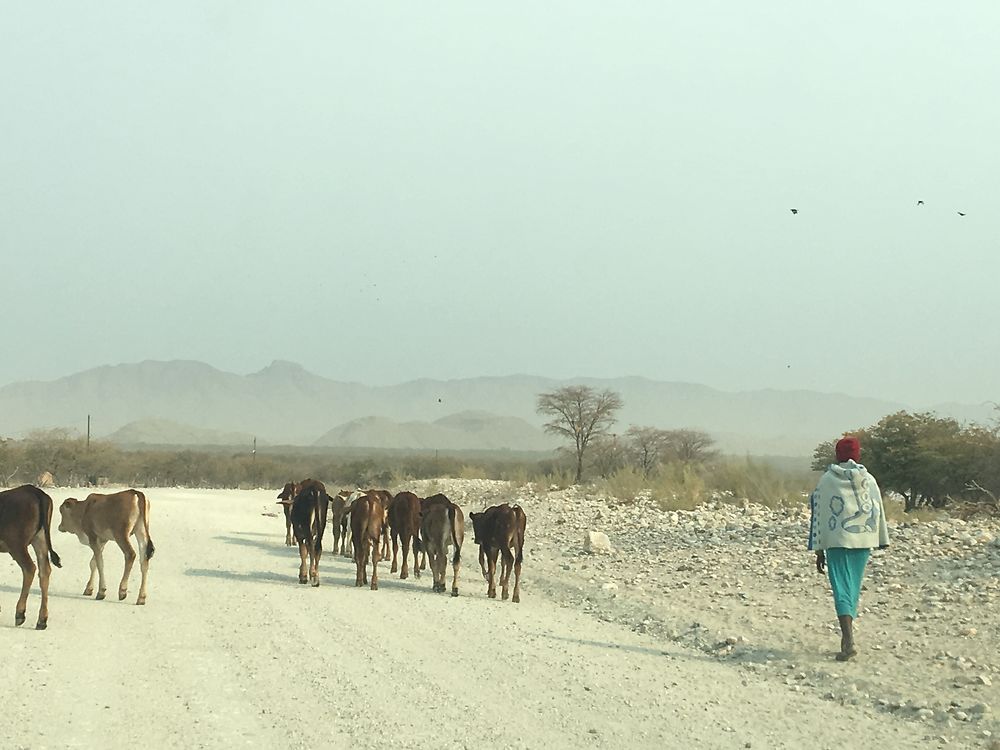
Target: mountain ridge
[284, 403]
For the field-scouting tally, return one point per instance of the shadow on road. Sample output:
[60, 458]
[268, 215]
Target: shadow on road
[259, 576]
[270, 547]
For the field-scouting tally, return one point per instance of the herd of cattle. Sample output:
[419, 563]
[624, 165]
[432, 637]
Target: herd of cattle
[363, 523]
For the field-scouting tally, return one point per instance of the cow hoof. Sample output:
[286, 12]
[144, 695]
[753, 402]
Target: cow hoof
[88, 591]
[100, 595]
[315, 584]
[403, 576]
[454, 592]
[303, 580]
[492, 594]
[122, 593]
[140, 601]
[516, 599]
[374, 586]
[42, 624]
[19, 619]
[505, 596]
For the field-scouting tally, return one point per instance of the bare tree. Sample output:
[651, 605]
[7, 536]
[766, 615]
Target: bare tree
[579, 413]
[690, 446]
[646, 446]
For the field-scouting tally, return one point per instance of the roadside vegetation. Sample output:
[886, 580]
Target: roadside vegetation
[923, 463]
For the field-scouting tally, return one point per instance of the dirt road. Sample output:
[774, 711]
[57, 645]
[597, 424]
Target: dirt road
[231, 651]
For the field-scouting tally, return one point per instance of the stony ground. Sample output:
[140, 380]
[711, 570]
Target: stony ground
[734, 581]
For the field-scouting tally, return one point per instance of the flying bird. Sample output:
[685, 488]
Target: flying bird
[794, 210]
[920, 203]
[960, 213]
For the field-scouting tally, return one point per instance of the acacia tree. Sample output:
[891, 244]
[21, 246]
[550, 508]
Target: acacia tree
[579, 413]
[690, 446]
[646, 446]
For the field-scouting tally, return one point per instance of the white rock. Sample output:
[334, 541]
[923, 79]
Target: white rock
[597, 541]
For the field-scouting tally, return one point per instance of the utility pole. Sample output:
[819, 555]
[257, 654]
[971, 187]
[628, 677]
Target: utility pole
[253, 451]
[88, 432]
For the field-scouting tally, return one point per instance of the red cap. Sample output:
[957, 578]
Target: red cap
[848, 448]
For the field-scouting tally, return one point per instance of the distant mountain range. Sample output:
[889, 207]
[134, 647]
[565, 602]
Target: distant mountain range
[192, 403]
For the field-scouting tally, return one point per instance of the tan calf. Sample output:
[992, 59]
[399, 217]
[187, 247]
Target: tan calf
[366, 532]
[443, 525]
[105, 518]
[26, 519]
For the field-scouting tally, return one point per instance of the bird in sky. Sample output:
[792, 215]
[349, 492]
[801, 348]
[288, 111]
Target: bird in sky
[960, 213]
[794, 210]
[920, 203]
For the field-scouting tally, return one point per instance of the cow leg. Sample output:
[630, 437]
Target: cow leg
[508, 562]
[23, 559]
[303, 563]
[375, 557]
[315, 552]
[405, 572]
[385, 545]
[416, 561]
[395, 552]
[89, 590]
[491, 592]
[142, 542]
[97, 547]
[129, 551]
[456, 564]
[517, 581]
[44, 571]
[358, 563]
[288, 524]
[482, 562]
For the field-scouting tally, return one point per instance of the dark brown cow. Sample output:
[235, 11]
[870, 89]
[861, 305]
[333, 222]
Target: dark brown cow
[111, 518]
[367, 518]
[500, 530]
[26, 519]
[285, 498]
[338, 509]
[309, 511]
[404, 523]
[385, 498]
[442, 525]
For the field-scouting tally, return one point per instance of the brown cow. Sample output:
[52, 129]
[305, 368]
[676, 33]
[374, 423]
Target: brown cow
[308, 514]
[366, 530]
[26, 519]
[285, 498]
[442, 525]
[103, 518]
[385, 498]
[425, 504]
[404, 522]
[500, 530]
[338, 509]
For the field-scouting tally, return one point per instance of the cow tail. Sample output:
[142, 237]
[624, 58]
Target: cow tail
[322, 507]
[45, 523]
[457, 557]
[144, 512]
[522, 522]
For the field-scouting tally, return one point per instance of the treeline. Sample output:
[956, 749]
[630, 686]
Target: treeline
[928, 460]
[680, 469]
[72, 462]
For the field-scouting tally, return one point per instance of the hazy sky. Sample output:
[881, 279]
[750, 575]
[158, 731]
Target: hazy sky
[386, 191]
